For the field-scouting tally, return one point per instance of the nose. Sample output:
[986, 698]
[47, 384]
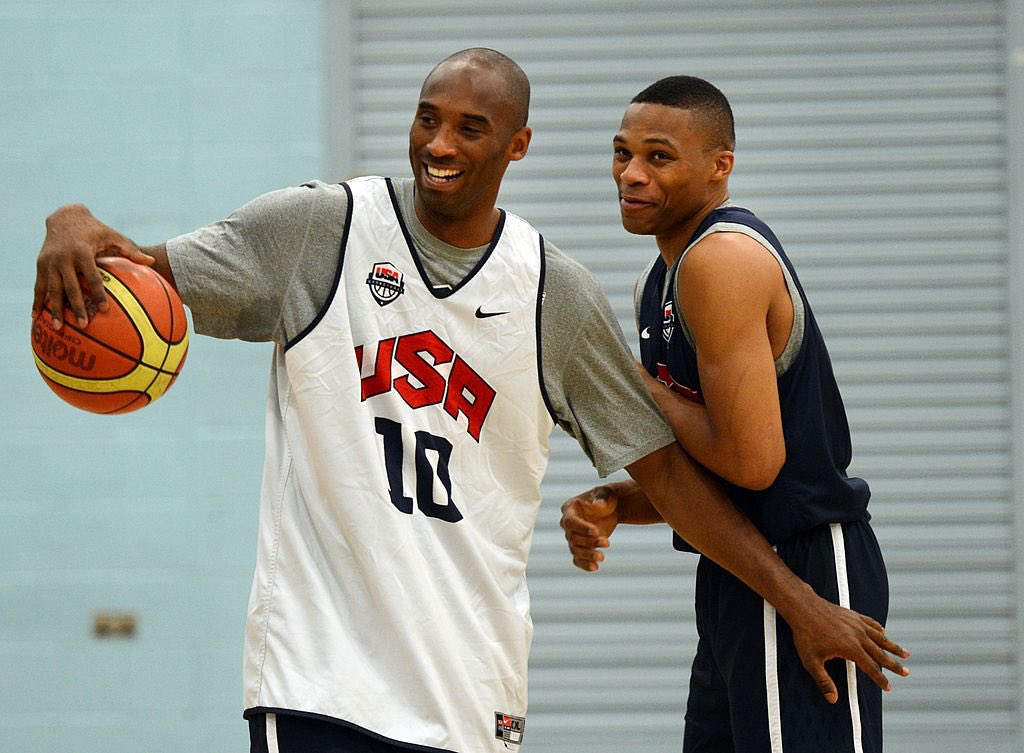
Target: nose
[442, 143]
[633, 173]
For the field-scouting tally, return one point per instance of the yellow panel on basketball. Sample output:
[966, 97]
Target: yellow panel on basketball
[126, 357]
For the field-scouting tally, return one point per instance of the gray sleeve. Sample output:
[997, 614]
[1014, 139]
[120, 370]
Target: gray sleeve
[589, 371]
[263, 273]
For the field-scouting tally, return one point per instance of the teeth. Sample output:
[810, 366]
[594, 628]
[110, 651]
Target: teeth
[441, 173]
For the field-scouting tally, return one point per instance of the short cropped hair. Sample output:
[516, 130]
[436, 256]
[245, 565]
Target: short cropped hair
[699, 97]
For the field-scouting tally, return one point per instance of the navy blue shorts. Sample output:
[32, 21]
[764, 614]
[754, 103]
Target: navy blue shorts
[301, 733]
[749, 693]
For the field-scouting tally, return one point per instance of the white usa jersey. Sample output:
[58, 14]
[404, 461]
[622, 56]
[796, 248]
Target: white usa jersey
[407, 436]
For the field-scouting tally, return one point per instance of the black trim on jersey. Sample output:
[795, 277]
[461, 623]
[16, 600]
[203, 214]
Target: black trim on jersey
[337, 274]
[540, 344]
[446, 291]
[263, 710]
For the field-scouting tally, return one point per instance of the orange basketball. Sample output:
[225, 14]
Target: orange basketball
[126, 357]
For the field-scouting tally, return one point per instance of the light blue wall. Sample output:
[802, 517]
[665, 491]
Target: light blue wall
[160, 117]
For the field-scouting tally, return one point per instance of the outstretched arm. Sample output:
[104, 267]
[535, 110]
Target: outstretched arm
[711, 523]
[66, 272]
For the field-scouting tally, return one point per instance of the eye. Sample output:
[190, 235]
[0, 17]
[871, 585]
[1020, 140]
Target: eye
[621, 153]
[661, 156]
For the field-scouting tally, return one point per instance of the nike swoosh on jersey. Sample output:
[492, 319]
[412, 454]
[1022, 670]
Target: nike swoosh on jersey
[646, 334]
[485, 314]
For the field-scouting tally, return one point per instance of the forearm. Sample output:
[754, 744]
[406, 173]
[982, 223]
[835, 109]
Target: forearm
[750, 454]
[633, 505]
[694, 431]
[692, 502]
[160, 264]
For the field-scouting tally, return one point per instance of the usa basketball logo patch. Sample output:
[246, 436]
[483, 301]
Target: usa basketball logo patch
[386, 283]
[668, 321]
[509, 728]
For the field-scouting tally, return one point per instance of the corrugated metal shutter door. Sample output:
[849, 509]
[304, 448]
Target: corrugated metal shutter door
[871, 137]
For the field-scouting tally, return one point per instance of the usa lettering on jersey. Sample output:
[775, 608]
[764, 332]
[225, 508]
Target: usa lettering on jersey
[457, 387]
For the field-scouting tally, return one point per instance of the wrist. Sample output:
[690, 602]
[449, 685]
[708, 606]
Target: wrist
[66, 212]
[634, 506]
[795, 599]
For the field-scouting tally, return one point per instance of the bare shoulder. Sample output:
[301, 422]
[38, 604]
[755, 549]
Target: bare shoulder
[723, 250]
[725, 262]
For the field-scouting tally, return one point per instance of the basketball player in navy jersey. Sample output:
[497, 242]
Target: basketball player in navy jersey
[733, 356]
[427, 343]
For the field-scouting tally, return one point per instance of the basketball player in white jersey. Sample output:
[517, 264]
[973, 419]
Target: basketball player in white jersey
[427, 343]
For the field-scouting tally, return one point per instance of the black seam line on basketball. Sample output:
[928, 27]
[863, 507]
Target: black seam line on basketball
[169, 341]
[142, 343]
[118, 409]
[101, 379]
[135, 326]
[485, 314]
[129, 404]
[111, 348]
[165, 288]
[167, 350]
[118, 351]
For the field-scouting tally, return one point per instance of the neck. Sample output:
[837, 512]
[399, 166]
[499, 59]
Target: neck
[672, 244]
[462, 232]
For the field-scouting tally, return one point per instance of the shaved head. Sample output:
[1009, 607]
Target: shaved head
[506, 70]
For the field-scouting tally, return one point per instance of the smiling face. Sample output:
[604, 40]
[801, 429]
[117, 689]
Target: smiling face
[668, 177]
[466, 131]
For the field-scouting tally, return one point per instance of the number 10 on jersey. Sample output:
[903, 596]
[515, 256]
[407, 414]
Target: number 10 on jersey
[427, 445]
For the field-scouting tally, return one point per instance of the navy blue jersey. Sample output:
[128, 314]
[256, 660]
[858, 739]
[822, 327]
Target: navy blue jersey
[812, 488]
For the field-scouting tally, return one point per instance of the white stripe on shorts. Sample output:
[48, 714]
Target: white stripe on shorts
[272, 733]
[771, 679]
[839, 546]
[771, 664]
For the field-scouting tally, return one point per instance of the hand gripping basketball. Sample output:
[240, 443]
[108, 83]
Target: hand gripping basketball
[126, 356]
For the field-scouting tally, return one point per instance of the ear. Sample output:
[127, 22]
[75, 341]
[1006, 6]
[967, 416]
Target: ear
[721, 165]
[519, 144]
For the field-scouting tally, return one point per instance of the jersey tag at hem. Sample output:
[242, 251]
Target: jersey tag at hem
[509, 728]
